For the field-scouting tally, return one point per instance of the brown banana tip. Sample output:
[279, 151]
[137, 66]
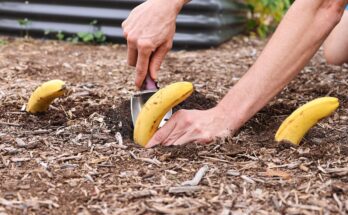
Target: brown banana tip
[63, 88]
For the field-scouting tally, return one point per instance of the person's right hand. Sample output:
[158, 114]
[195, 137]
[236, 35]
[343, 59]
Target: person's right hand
[149, 31]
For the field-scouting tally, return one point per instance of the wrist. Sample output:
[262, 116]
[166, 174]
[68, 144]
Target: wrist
[236, 113]
[231, 120]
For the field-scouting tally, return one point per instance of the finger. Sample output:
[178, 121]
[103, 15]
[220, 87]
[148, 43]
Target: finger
[125, 34]
[142, 65]
[204, 140]
[162, 134]
[183, 136]
[180, 130]
[189, 138]
[193, 136]
[124, 24]
[157, 59]
[132, 55]
[126, 28]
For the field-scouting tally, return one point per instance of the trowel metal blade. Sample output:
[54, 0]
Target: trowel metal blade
[137, 102]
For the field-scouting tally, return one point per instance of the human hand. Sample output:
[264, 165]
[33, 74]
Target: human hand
[149, 31]
[187, 126]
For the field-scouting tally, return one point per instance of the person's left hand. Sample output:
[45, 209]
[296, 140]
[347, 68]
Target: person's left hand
[187, 126]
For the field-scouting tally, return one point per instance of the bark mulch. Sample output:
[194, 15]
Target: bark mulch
[79, 157]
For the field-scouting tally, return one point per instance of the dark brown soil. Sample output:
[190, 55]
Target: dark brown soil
[189, 152]
[197, 101]
[120, 120]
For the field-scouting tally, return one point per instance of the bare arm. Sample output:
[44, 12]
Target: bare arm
[297, 38]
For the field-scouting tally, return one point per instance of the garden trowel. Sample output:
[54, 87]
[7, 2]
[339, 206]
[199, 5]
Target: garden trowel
[138, 100]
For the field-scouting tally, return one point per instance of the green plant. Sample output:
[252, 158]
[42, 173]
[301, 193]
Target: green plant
[266, 15]
[60, 35]
[3, 42]
[99, 37]
[94, 22]
[47, 32]
[88, 37]
[95, 36]
[85, 37]
[74, 39]
[24, 23]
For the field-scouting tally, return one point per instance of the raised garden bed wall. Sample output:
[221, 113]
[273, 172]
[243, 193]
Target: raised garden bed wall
[201, 23]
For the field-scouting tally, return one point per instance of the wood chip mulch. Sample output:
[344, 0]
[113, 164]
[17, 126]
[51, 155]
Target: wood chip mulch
[79, 159]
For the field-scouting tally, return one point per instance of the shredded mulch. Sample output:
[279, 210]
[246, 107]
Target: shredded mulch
[79, 158]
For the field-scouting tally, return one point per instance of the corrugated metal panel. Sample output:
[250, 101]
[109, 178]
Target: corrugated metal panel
[201, 23]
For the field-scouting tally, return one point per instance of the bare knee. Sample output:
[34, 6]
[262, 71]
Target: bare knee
[336, 45]
[331, 56]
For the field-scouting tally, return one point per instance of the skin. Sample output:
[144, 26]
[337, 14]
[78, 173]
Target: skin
[150, 39]
[336, 45]
[298, 37]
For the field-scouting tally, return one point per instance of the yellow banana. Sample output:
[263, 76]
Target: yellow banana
[156, 107]
[301, 120]
[44, 95]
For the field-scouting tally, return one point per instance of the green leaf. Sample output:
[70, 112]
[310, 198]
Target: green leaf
[94, 22]
[60, 36]
[98, 34]
[99, 37]
[82, 34]
[3, 42]
[88, 38]
[266, 15]
[24, 22]
[262, 31]
[75, 40]
[47, 32]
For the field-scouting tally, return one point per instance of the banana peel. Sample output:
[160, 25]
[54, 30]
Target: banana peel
[156, 107]
[304, 118]
[44, 95]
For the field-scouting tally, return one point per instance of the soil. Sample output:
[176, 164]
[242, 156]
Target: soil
[120, 120]
[72, 160]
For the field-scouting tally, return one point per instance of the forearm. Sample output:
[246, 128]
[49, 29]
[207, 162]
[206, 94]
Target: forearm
[298, 37]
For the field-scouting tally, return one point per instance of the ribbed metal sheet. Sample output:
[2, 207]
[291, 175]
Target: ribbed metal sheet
[201, 23]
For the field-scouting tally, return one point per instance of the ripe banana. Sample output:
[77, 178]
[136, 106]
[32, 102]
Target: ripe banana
[44, 95]
[156, 107]
[301, 120]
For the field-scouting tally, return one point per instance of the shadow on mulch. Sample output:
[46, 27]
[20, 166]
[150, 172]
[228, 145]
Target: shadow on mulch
[66, 109]
[31, 121]
[120, 120]
[188, 151]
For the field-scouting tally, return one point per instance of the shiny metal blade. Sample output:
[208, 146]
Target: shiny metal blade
[137, 102]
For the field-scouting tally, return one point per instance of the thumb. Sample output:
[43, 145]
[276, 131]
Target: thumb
[162, 134]
[157, 59]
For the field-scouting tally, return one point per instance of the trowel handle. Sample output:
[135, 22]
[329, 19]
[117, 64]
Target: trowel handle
[149, 83]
